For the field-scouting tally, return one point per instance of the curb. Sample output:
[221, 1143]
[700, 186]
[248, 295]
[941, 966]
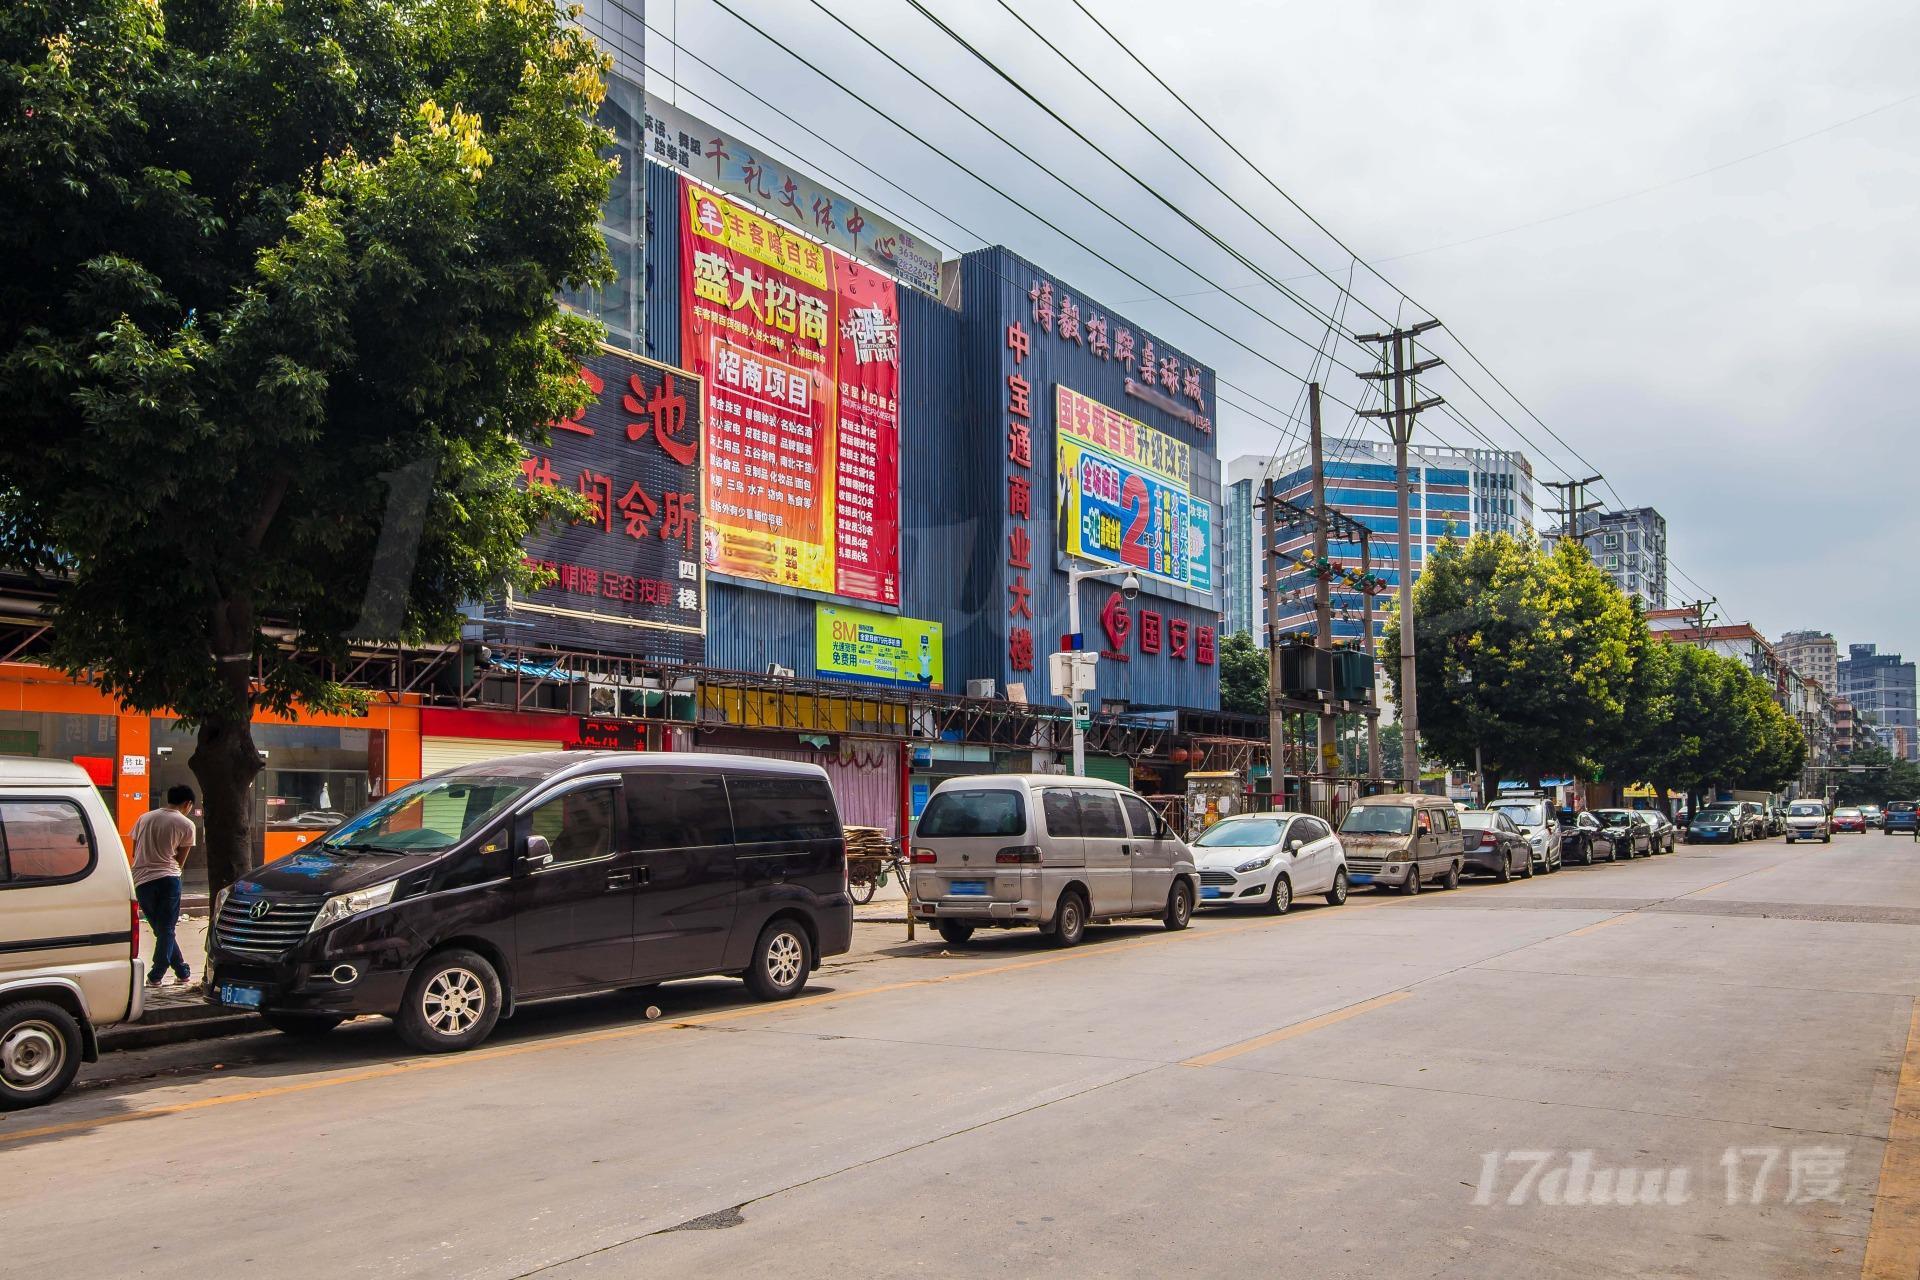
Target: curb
[176, 1025]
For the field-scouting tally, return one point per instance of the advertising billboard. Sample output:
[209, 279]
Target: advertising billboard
[799, 350]
[1125, 496]
[879, 648]
[629, 575]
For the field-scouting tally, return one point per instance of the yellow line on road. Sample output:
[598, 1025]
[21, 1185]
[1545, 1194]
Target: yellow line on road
[1893, 1239]
[1599, 924]
[1219, 1056]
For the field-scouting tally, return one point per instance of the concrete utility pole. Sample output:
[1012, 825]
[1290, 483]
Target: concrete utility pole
[1397, 344]
[1276, 714]
[1322, 589]
[1573, 504]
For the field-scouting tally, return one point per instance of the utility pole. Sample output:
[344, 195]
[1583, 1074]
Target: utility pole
[1276, 714]
[1396, 345]
[1322, 592]
[1573, 504]
[1699, 610]
[1374, 770]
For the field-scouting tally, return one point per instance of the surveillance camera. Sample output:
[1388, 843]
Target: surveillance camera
[264, 753]
[163, 752]
[1129, 587]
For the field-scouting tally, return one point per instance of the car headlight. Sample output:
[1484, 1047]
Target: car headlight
[1254, 864]
[1538, 840]
[343, 906]
[220, 900]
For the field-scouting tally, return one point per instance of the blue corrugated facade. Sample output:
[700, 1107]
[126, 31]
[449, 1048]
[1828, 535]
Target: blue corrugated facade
[953, 489]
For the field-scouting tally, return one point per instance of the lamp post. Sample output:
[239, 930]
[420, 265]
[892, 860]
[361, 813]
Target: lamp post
[1129, 589]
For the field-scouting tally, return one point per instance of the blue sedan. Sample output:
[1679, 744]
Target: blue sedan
[1712, 827]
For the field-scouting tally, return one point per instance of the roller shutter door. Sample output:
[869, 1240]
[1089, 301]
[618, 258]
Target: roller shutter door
[866, 783]
[446, 753]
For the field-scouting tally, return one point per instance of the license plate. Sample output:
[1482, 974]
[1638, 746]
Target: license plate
[1212, 891]
[1359, 877]
[968, 888]
[240, 996]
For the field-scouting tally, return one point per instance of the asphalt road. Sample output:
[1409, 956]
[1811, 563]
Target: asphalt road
[1441, 1086]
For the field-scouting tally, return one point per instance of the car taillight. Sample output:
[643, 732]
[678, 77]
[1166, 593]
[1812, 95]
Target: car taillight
[1486, 840]
[1018, 855]
[923, 855]
[133, 930]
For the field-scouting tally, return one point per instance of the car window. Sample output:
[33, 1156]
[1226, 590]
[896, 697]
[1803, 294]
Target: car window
[1140, 815]
[578, 825]
[770, 808]
[1062, 812]
[43, 841]
[677, 811]
[997, 811]
[1314, 829]
[1530, 813]
[1100, 815]
[1377, 820]
[1239, 833]
[1453, 819]
[1423, 822]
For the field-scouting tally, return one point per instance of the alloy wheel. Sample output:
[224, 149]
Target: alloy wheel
[786, 959]
[453, 1001]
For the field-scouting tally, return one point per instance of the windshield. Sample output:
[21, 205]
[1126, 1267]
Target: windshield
[1377, 820]
[1846, 813]
[428, 816]
[1530, 813]
[1615, 817]
[985, 812]
[1717, 818]
[1805, 811]
[1240, 833]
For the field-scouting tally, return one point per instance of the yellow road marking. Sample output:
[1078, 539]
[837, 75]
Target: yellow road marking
[1600, 924]
[1219, 1056]
[1893, 1238]
[649, 1028]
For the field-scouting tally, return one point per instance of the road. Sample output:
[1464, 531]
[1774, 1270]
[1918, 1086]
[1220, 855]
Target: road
[1339, 1092]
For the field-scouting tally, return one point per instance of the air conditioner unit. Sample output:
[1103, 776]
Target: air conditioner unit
[603, 698]
[775, 669]
[980, 688]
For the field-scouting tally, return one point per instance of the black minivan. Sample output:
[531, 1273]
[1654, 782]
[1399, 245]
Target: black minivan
[450, 901]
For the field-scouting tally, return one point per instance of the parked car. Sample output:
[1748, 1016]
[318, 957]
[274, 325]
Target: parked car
[1849, 818]
[1808, 820]
[1665, 834]
[1632, 837]
[1745, 815]
[1533, 815]
[1874, 814]
[69, 928]
[1584, 840]
[1494, 845]
[1039, 850]
[1269, 859]
[1901, 816]
[1402, 841]
[1714, 826]
[453, 901]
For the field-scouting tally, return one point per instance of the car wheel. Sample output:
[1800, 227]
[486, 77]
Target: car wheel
[955, 931]
[1412, 887]
[40, 1048]
[1281, 898]
[306, 1026]
[1526, 868]
[1337, 895]
[1505, 873]
[1179, 912]
[782, 959]
[452, 1002]
[1069, 920]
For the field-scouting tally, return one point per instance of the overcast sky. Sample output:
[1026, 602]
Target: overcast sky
[1736, 349]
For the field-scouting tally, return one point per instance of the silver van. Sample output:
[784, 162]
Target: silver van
[69, 928]
[1005, 850]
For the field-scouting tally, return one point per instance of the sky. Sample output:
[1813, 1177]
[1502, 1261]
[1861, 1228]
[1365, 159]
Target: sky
[1734, 349]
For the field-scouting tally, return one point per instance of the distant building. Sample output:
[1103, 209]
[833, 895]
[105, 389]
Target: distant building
[1881, 688]
[1814, 655]
[1631, 546]
[1240, 557]
[1842, 727]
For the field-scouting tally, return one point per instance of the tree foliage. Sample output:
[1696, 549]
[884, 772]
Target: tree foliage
[1884, 777]
[1243, 675]
[281, 277]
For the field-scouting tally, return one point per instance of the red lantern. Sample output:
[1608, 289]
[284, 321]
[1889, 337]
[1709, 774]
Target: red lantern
[1178, 755]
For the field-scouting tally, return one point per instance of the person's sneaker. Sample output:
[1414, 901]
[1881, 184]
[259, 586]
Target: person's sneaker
[183, 976]
[155, 979]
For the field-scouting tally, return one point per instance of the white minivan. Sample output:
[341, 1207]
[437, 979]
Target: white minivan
[69, 928]
[1004, 850]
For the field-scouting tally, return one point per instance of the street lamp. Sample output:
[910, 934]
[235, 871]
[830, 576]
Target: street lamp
[1129, 590]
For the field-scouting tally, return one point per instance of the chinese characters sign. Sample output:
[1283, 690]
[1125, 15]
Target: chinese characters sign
[738, 169]
[800, 349]
[1155, 374]
[1124, 496]
[630, 572]
[881, 648]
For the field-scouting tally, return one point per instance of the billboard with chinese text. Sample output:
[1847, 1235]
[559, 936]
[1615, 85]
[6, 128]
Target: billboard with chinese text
[1124, 495]
[629, 576]
[880, 648]
[799, 349]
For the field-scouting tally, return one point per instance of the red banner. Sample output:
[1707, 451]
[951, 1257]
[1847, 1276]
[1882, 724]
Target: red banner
[799, 347]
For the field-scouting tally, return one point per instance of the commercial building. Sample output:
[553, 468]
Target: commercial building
[1881, 688]
[1631, 546]
[1813, 654]
[837, 481]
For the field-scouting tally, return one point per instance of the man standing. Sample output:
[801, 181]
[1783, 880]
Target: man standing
[162, 839]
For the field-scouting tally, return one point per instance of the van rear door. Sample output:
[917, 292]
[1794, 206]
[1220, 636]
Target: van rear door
[959, 843]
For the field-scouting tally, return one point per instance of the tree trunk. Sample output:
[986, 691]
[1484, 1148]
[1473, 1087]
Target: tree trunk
[226, 763]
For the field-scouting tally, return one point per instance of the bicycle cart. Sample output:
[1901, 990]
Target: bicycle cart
[871, 856]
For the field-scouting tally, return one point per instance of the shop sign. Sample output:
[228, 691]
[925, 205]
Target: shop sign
[634, 563]
[1018, 417]
[1125, 494]
[736, 168]
[600, 734]
[1153, 633]
[1156, 373]
[799, 349]
[883, 648]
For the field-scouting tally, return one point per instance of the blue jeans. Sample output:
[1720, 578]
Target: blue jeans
[160, 904]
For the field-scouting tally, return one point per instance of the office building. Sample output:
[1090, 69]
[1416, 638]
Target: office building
[1631, 546]
[1881, 688]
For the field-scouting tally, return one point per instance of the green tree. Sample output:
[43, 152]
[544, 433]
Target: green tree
[1243, 675]
[1632, 748]
[1883, 777]
[1522, 654]
[275, 273]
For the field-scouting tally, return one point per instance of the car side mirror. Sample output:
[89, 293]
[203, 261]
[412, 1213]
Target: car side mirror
[1295, 845]
[538, 854]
